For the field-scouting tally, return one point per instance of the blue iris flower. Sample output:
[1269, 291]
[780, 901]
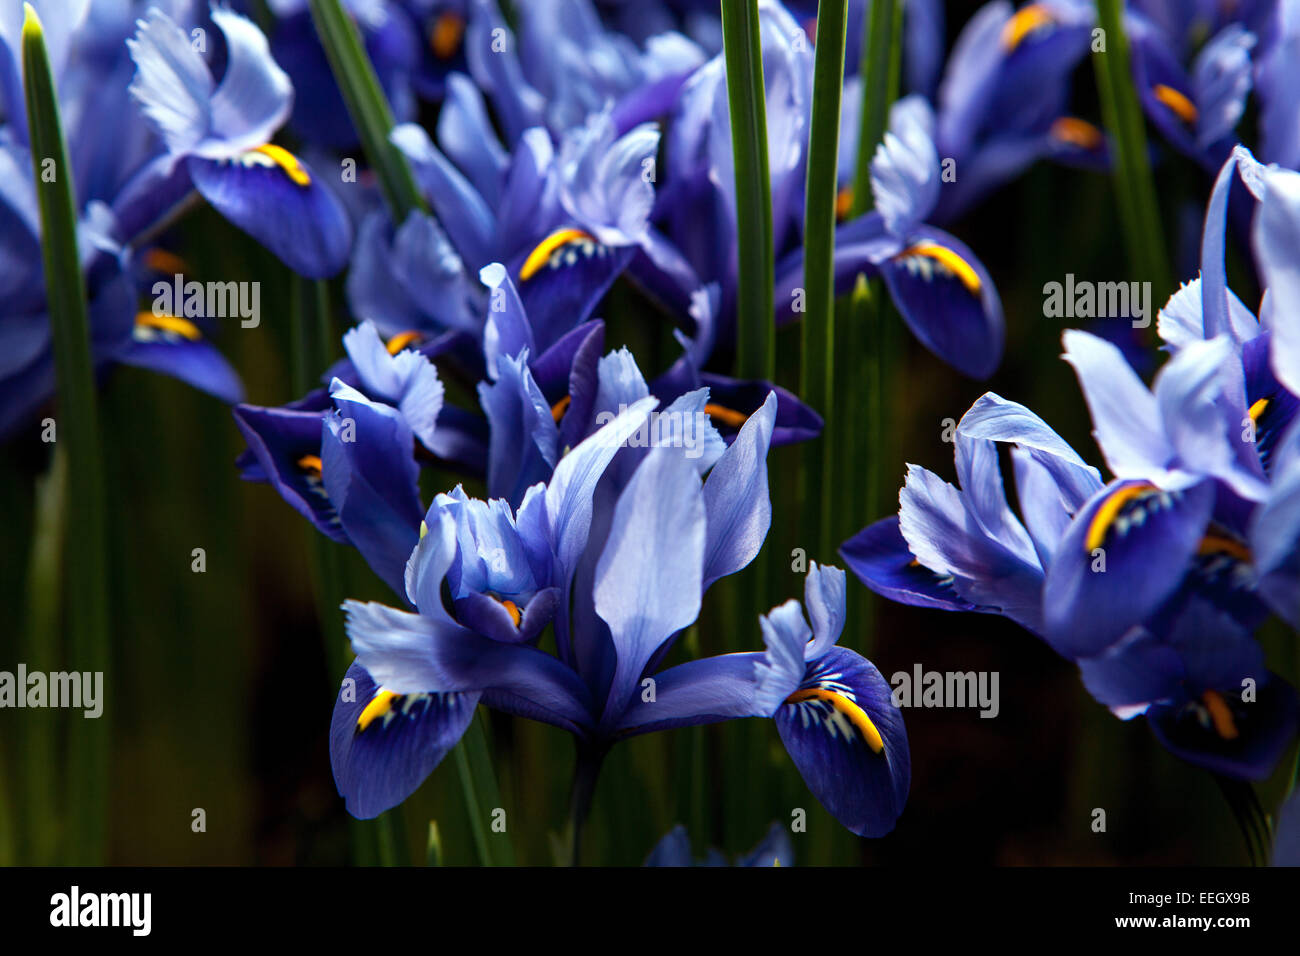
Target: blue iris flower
[537, 409]
[1198, 109]
[358, 483]
[615, 551]
[218, 140]
[674, 849]
[1154, 582]
[1150, 591]
[92, 71]
[942, 290]
[562, 65]
[1002, 102]
[565, 221]
[394, 44]
[1265, 369]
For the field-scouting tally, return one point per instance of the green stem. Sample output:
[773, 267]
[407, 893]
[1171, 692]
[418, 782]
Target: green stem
[85, 564]
[38, 745]
[755, 322]
[881, 56]
[367, 106]
[1250, 816]
[817, 354]
[1135, 186]
[586, 770]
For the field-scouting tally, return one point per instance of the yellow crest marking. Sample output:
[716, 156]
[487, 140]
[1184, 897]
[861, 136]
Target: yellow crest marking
[546, 248]
[1076, 132]
[1221, 544]
[401, 341]
[1180, 104]
[286, 160]
[728, 416]
[560, 407]
[1025, 21]
[856, 715]
[379, 705]
[310, 463]
[160, 260]
[445, 36]
[1220, 715]
[949, 260]
[169, 323]
[513, 610]
[844, 203]
[1109, 511]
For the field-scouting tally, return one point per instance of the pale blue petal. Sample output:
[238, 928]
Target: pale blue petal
[649, 577]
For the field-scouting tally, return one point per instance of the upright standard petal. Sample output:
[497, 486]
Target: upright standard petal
[650, 575]
[737, 507]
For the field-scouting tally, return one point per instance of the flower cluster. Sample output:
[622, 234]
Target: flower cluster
[541, 432]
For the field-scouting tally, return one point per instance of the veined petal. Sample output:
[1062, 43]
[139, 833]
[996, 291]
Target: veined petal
[781, 668]
[979, 471]
[824, 597]
[411, 279]
[370, 473]
[650, 575]
[905, 169]
[194, 361]
[173, 84]
[1145, 539]
[490, 47]
[604, 185]
[1202, 416]
[406, 380]
[563, 279]
[847, 738]
[255, 97]
[467, 137]
[411, 653]
[1221, 80]
[879, 556]
[1052, 481]
[1125, 417]
[1277, 249]
[737, 507]
[948, 301]
[507, 331]
[703, 691]
[278, 200]
[524, 433]
[569, 492]
[943, 535]
[1247, 744]
[286, 446]
[461, 211]
[384, 745]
